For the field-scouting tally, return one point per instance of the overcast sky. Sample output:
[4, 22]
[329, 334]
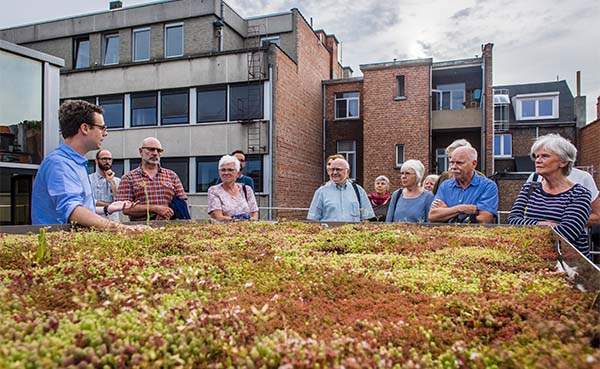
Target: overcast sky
[534, 40]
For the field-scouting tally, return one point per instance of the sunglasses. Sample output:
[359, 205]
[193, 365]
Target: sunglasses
[153, 149]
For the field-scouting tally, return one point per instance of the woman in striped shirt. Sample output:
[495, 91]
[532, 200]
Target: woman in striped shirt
[556, 201]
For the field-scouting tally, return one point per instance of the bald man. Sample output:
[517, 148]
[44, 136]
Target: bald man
[162, 184]
[467, 194]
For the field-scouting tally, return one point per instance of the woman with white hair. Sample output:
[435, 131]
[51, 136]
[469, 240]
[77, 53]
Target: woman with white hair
[230, 200]
[556, 202]
[430, 181]
[412, 202]
[380, 199]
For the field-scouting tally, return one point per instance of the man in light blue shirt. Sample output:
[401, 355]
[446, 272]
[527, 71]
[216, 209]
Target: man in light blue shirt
[62, 192]
[340, 200]
[466, 193]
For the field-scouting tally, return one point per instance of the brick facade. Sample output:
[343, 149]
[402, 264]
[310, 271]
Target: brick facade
[297, 120]
[489, 107]
[389, 120]
[589, 149]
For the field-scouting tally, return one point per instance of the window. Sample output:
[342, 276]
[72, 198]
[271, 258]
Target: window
[348, 149]
[141, 44]
[211, 104]
[452, 96]
[399, 155]
[400, 86]
[245, 102]
[111, 49]
[254, 170]
[539, 106]
[347, 105]
[173, 40]
[143, 109]
[264, 41]
[82, 53]
[113, 110]
[441, 159]
[503, 146]
[207, 172]
[174, 107]
[117, 167]
[181, 167]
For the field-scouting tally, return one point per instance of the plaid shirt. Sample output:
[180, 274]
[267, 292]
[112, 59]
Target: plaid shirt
[161, 189]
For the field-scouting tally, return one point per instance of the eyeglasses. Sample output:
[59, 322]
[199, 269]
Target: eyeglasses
[333, 170]
[153, 149]
[103, 128]
[226, 170]
[105, 159]
[407, 174]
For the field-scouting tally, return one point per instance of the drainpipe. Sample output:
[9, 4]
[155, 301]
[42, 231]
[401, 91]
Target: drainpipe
[323, 149]
[271, 154]
[430, 117]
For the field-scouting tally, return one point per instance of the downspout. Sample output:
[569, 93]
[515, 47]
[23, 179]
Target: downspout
[271, 154]
[323, 148]
[430, 117]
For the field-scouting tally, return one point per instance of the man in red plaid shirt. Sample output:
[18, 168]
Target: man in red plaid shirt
[162, 185]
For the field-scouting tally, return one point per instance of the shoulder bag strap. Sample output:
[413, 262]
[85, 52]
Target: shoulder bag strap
[357, 194]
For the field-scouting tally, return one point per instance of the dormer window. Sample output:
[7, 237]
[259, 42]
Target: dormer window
[536, 106]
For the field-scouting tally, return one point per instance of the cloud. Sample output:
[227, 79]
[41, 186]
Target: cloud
[463, 13]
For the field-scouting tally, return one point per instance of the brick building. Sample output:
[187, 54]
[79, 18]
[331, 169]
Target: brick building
[205, 81]
[410, 109]
[589, 149]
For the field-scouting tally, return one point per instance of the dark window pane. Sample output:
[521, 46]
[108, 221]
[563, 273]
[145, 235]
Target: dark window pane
[118, 167]
[254, 170]
[174, 107]
[111, 49]
[179, 166]
[399, 155]
[113, 110]
[340, 108]
[545, 107]
[91, 166]
[207, 172]
[174, 38]
[141, 45]
[143, 109]
[245, 102]
[134, 163]
[528, 108]
[211, 105]
[497, 151]
[400, 83]
[82, 53]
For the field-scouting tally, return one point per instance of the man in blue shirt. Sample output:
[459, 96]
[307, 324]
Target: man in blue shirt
[466, 193]
[62, 192]
[340, 200]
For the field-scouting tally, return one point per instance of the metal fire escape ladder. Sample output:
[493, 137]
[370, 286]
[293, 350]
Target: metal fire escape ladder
[256, 73]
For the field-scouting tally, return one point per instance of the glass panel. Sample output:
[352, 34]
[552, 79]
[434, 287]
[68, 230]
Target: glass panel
[174, 107]
[111, 49]
[113, 110]
[458, 99]
[497, 143]
[254, 170]
[349, 94]
[446, 100]
[20, 109]
[134, 163]
[545, 107]
[82, 53]
[174, 41]
[246, 102]
[353, 108]
[340, 108]
[399, 154]
[141, 45]
[181, 167]
[91, 166]
[118, 167]
[211, 105]
[507, 145]
[143, 110]
[528, 108]
[343, 146]
[207, 172]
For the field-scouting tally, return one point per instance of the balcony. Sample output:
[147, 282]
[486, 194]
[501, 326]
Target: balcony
[460, 118]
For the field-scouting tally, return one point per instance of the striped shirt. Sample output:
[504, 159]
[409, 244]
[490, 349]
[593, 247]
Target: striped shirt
[571, 209]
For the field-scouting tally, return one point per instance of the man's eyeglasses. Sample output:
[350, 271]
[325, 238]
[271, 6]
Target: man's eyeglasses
[105, 159]
[333, 170]
[103, 128]
[226, 170]
[153, 149]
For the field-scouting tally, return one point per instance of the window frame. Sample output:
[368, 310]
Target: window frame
[447, 88]
[519, 99]
[132, 96]
[232, 116]
[187, 103]
[76, 45]
[122, 97]
[186, 165]
[441, 154]
[337, 98]
[105, 42]
[267, 40]
[166, 28]
[212, 89]
[258, 181]
[206, 159]
[133, 42]
[400, 87]
[397, 156]
[503, 153]
[346, 154]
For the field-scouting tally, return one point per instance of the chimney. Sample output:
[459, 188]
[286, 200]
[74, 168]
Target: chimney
[579, 104]
[598, 108]
[578, 83]
[115, 5]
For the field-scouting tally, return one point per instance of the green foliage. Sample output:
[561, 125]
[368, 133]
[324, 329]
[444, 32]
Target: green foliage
[264, 295]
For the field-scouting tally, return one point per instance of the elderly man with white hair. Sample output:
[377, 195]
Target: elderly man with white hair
[340, 200]
[468, 196]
